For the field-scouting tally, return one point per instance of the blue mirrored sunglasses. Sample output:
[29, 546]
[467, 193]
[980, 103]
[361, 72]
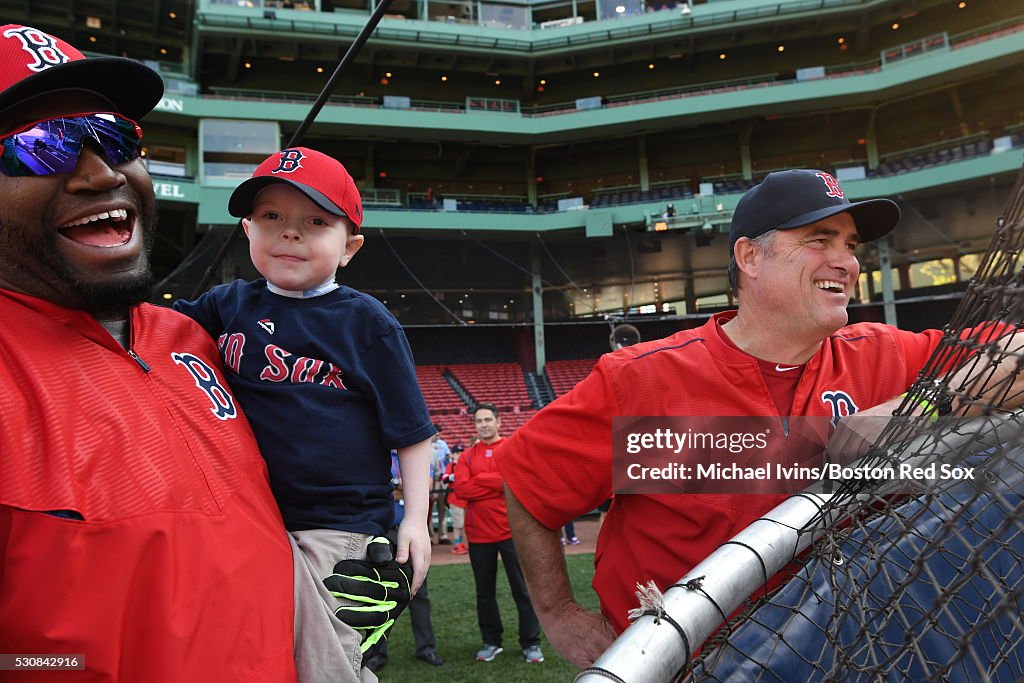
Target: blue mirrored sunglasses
[53, 145]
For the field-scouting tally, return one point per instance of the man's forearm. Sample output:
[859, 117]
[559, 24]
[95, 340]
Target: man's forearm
[578, 634]
[542, 560]
[995, 383]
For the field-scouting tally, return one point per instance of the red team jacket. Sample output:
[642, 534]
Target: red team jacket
[559, 465]
[137, 526]
[479, 484]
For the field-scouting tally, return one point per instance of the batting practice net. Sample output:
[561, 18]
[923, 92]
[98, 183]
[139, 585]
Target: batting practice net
[916, 579]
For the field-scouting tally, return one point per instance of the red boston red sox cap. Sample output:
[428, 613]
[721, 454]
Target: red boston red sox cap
[320, 177]
[34, 63]
[792, 199]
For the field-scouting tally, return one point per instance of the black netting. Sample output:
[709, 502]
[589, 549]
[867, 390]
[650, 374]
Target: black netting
[186, 278]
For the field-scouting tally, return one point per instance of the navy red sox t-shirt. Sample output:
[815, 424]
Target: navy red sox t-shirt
[329, 386]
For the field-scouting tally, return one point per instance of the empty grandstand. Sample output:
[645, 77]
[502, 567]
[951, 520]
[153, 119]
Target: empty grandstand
[519, 159]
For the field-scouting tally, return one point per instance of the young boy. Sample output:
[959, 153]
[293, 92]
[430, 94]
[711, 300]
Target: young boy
[326, 377]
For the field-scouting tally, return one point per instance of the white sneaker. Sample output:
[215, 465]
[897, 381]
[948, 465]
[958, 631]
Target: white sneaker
[533, 654]
[488, 652]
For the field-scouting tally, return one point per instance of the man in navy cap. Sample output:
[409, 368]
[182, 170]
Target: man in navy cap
[786, 351]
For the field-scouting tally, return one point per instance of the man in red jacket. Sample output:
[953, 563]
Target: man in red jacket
[135, 512]
[479, 484]
[786, 352]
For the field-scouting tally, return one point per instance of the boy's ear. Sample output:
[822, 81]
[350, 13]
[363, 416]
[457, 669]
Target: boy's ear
[353, 244]
[246, 222]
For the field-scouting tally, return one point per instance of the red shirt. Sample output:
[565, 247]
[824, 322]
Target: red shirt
[453, 498]
[780, 378]
[559, 465]
[135, 511]
[479, 483]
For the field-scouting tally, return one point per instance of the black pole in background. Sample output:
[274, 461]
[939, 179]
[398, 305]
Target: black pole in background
[300, 132]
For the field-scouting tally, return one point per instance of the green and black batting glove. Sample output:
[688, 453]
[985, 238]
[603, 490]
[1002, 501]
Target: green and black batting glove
[381, 589]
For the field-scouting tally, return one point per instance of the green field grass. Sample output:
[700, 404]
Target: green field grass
[453, 607]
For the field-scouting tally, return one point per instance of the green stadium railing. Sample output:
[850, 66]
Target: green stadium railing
[629, 29]
[947, 42]
[983, 135]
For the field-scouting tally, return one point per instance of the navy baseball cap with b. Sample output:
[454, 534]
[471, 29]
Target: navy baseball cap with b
[792, 199]
[322, 178]
[34, 63]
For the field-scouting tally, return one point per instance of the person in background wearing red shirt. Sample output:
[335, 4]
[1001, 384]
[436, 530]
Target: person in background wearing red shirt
[456, 505]
[479, 484]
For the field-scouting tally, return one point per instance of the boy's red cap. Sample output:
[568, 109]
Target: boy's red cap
[321, 178]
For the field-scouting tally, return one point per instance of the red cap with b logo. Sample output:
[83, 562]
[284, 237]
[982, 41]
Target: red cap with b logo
[34, 63]
[318, 176]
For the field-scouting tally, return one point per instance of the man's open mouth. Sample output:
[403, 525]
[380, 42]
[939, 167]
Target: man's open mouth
[105, 229]
[830, 286]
